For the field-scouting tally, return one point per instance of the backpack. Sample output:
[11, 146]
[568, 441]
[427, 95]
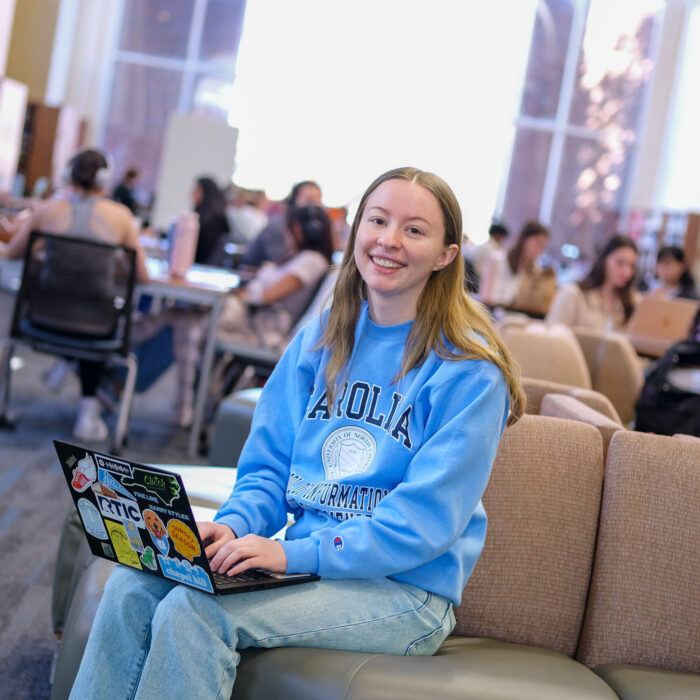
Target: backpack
[670, 398]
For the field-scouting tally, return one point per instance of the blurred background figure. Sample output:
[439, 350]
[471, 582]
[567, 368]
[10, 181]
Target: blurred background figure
[271, 244]
[266, 309]
[247, 213]
[673, 279]
[498, 233]
[504, 271]
[213, 223]
[605, 299]
[124, 191]
[87, 213]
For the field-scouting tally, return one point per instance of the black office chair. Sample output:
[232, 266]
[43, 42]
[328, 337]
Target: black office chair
[75, 301]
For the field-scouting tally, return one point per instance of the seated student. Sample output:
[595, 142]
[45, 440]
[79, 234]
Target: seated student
[605, 298]
[407, 373]
[124, 191]
[213, 223]
[505, 272]
[87, 213]
[271, 245]
[673, 279]
[498, 233]
[267, 307]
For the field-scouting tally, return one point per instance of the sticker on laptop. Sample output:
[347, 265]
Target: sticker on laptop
[92, 522]
[109, 552]
[132, 533]
[109, 481]
[184, 539]
[157, 529]
[116, 466]
[116, 507]
[120, 541]
[184, 572]
[84, 474]
[148, 559]
[165, 486]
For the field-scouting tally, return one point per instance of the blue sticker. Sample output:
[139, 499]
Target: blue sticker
[184, 572]
[338, 543]
[108, 480]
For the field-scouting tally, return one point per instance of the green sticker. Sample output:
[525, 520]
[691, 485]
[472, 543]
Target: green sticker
[164, 486]
[148, 559]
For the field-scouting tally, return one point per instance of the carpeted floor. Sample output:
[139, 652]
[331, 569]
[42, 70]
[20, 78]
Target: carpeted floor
[34, 501]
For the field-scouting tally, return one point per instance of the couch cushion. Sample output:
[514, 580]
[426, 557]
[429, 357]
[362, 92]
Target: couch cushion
[464, 669]
[644, 604]
[561, 406]
[642, 683]
[542, 501]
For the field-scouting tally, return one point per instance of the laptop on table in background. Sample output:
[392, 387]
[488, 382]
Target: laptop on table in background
[658, 323]
[140, 516]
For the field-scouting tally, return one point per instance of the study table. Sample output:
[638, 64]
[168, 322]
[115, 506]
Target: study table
[205, 286]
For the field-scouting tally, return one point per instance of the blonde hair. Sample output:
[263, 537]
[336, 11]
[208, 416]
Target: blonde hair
[446, 316]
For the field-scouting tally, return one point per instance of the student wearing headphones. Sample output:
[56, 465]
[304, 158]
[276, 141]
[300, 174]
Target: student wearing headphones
[87, 213]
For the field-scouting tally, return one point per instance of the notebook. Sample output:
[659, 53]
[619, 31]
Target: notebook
[140, 516]
[658, 323]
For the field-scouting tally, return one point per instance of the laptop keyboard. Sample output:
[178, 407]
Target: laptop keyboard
[250, 576]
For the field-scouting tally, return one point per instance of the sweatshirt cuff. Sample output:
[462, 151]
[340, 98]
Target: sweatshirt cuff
[235, 522]
[302, 556]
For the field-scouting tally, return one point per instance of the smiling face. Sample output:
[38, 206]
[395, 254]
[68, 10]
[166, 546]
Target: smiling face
[154, 523]
[620, 267]
[400, 241]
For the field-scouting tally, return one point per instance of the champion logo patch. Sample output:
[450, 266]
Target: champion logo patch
[338, 543]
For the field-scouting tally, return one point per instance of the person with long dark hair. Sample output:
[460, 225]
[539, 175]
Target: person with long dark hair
[606, 297]
[672, 274]
[505, 271]
[213, 222]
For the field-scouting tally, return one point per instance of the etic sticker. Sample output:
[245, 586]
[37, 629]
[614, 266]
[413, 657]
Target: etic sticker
[120, 540]
[92, 522]
[118, 508]
[84, 474]
[148, 558]
[184, 572]
[133, 534]
[184, 539]
[157, 529]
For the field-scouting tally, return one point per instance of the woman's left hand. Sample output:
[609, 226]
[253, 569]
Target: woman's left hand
[249, 552]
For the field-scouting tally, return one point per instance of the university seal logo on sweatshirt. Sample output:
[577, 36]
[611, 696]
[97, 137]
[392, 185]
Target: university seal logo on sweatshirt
[346, 451]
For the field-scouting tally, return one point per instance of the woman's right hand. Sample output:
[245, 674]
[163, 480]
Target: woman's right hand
[217, 534]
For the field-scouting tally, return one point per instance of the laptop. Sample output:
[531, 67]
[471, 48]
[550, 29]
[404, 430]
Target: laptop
[140, 516]
[658, 323]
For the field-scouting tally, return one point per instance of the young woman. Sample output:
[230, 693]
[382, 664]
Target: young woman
[86, 212]
[673, 277]
[267, 307]
[377, 432]
[605, 298]
[505, 271]
[213, 223]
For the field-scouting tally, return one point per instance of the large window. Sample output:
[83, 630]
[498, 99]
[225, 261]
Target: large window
[577, 128]
[171, 55]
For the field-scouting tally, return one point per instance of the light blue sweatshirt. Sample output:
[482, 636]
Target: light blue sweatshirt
[388, 482]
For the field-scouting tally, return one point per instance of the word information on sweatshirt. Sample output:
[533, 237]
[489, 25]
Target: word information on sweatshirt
[340, 501]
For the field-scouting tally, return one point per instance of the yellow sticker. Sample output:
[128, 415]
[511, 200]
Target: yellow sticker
[122, 546]
[183, 538]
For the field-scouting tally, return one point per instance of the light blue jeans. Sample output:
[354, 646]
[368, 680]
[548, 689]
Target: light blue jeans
[155, 639]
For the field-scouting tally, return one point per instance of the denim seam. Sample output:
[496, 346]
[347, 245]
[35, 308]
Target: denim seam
[429, 634]
[137, 680]
[339, 627]
[223, 673]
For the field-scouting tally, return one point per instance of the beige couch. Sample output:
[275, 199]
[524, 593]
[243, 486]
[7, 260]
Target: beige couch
[588, 586]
